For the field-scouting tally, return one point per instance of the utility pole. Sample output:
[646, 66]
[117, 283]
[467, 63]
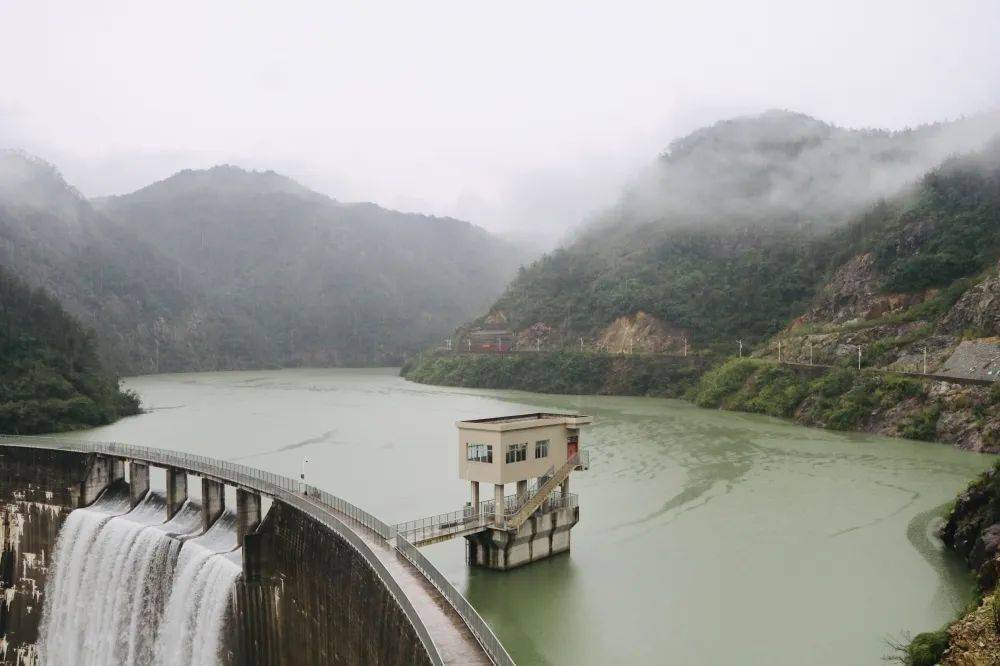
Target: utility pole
[779, 351]
[741, 347]
[859, 357]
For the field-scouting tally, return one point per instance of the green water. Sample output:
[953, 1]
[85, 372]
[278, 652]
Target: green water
[705, 537]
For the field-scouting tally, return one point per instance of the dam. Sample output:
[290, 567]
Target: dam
[98, 568]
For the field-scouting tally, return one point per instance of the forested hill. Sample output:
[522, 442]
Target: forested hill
[225, 268]
[50, 376]
[319, 281]
[735, 228]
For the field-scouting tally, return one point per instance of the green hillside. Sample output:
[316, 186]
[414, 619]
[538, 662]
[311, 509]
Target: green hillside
[50, 377]
[742, 224]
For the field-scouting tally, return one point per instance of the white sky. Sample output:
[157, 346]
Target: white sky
[520, 116]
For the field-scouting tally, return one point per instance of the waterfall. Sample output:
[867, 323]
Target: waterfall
[123, 581]
[189, 633]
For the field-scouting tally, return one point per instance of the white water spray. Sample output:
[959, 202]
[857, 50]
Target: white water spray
[123, 580]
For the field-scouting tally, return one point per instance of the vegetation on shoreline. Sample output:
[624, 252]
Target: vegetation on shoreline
[560, 372]
[50, 378]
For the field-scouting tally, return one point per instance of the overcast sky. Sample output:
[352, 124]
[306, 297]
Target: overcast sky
[516, 116]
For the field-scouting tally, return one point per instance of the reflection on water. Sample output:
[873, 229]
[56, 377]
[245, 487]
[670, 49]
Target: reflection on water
[705, 537]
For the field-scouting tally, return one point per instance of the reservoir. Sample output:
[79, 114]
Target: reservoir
[705, 537]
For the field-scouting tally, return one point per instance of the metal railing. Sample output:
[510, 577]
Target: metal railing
[222, 470]
[286, 490]
[532, 502]
[477, 625]
[443, 524]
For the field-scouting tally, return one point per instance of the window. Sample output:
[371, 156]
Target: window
[542, 448]
[517, 452]
[479, 453]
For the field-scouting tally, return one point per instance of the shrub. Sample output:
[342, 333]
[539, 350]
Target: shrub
[926, 649]
[923, 424]
[721, 383]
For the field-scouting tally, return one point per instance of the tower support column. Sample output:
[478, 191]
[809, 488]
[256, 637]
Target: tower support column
[474, 487]
[498, 506]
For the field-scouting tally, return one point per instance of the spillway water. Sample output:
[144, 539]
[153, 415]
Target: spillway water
[189, 633]
[121, 577]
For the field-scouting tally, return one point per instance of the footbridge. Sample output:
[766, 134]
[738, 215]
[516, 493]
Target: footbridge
[541, 496]
[354, 590]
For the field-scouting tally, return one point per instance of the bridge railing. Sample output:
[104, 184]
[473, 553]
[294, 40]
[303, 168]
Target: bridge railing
[480, 629]
[422, 528]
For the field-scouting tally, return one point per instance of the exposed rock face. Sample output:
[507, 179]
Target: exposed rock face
[853, 293]
[971, 529]
[642, 333]
[973, 641]
[978, 309]
[539, 335]
[973, 532]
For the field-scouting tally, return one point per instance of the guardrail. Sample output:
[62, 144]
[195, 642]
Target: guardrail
[443, 524]
[284, 489]
[491, 644]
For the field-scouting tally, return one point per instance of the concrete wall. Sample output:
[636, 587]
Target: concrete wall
[308, 598]
[542, 535]
[38, 489]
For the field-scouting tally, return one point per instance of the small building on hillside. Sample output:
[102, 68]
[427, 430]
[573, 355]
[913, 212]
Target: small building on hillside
[974, 359]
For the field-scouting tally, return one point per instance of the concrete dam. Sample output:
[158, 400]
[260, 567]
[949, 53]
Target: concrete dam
[98, 568]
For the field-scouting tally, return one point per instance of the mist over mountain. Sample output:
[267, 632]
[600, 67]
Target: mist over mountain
[731, 231]
[784, 168]
[225, 268]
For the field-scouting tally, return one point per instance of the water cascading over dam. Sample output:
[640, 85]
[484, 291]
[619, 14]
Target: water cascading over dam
[129, 588]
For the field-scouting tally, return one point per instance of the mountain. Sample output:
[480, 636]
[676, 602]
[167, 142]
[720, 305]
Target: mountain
[225, 268]
[52, 238]
[50, 377]
[729, 234]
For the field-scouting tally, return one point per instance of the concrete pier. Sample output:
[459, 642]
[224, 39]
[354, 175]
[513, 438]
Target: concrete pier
[213, 501]
[101, 473]
[247, 513]
[543, 535]
[177, 491]
[138, 484]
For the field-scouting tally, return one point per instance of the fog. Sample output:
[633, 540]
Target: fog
[521, 117]
[784, 168]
